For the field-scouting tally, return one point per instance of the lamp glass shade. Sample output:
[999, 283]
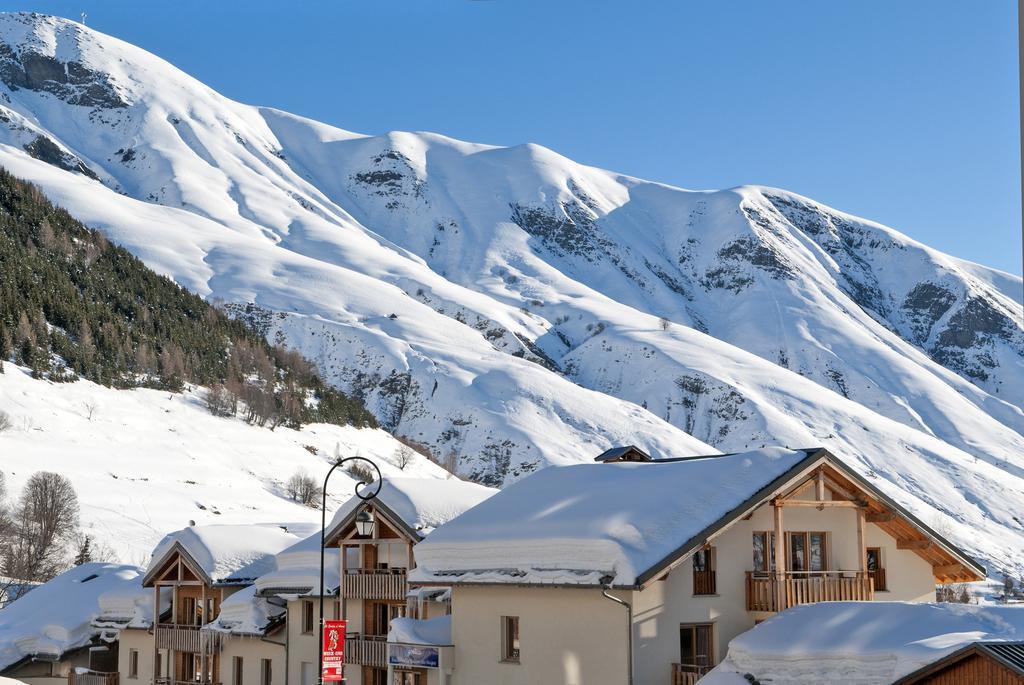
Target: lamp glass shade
[364, 523]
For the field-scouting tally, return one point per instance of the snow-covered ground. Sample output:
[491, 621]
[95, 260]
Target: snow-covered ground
[147, 462]
[515, 309]
[859, 643]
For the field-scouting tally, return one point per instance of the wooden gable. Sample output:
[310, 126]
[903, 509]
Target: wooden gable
[829, 486]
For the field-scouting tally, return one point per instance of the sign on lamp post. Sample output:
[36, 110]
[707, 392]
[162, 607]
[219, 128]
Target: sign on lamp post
[333, 664]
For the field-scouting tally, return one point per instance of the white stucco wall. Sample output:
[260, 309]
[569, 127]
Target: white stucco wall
[568, 636]
[253, 649]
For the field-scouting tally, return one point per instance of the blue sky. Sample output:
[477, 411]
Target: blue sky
[903, 112]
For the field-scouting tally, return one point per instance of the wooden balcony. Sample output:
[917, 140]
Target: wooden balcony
[704, 583]
[366, 650]
[91, 678]
[362, 583]
[763, 590]
[688, 674]
[183, 638]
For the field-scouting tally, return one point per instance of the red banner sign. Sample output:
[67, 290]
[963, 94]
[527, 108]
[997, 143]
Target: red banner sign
[333, 667]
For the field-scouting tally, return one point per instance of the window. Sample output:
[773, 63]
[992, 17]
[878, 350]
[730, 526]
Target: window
[696, 647]
[409, 678]
[704, 572]
[510, 638]
[266, 674]
[875, 569]
[807, 552]
[158, 666]
[307, 617]
[133, 663]
[308, 673]
[764, 552]
[236, 671]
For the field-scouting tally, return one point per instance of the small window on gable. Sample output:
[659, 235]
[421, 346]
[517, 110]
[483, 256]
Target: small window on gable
[133, 663]
[704, 572]
[308, 618]
[510, 639]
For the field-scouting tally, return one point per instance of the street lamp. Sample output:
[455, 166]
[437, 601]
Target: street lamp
[364, 526]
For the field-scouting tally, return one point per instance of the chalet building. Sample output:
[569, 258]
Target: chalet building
[375, 543]
[192, 575]
[633, 570]
[47, 636]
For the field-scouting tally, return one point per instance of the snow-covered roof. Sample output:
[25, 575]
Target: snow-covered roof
[577, 524]
[864, 642]
[56, 617]
[129, 606]
[434, 631]
[246, 613]
[229, 554]
[420, 504]
[297, 570]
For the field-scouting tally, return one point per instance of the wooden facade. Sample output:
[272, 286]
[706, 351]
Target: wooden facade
[193, 654]
[991, 663]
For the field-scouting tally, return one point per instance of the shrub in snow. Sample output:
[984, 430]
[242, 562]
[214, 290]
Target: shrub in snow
[360, 472]
[5, 421]
[403, 456]
[302, 488]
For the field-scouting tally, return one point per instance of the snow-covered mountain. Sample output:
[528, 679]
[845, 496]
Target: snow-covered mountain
[513, 308]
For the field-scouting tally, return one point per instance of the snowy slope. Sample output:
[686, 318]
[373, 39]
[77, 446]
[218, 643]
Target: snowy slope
[515, 309]
[148, 461]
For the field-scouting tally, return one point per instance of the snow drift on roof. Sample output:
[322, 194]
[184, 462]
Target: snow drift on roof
[297, 570]
[55, 617]
[575, 524]
[231, 552]
[864, 642]
[434, 631]
[422, 504]
[243, 613]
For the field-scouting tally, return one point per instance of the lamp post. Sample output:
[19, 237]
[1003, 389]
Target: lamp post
[364, 526]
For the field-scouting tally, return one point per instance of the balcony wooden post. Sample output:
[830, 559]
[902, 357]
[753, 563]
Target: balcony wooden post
[862, 550]
[780, 561]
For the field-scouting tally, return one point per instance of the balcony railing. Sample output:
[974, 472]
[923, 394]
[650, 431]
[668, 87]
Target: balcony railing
[188, 639]
[704, 583]
[366, 650]
[688, 674]
[91, 678]
[362, 583]
[806, 587]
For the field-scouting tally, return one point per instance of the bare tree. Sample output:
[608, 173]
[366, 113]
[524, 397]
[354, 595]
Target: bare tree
[5, 421]
[664, 323]
[403, 456]
[302, 488]
[220, 401]
[90, 409]
[43, 526]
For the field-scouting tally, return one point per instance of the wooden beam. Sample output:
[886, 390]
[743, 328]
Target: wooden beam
[818, 505]
[862, 550]
[880, 517]
[819, 486]
[840, 490]
[913, 544]
[948, 570]
[780, 561]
